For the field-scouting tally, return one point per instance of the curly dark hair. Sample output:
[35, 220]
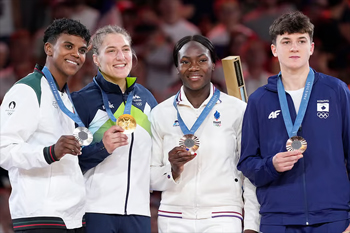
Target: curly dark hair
[198, 38]
[67, 26]
[292, 22]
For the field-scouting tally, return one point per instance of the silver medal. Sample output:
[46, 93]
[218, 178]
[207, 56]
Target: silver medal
[83, 135]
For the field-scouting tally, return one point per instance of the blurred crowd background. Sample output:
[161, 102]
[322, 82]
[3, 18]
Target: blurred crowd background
[236, 27]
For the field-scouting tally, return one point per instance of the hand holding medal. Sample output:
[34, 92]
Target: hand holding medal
[284, 161]
[114, 138]
[66, 144]
[178, 157]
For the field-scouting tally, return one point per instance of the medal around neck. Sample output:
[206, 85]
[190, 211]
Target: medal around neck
[296, 143]
[190, 141]
[83, 135]
[127, 122]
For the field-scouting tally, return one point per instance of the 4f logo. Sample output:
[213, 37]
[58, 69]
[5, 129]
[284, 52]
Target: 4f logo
[274, 114]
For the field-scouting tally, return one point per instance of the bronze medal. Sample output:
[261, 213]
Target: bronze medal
[296, 143]
[189, 141]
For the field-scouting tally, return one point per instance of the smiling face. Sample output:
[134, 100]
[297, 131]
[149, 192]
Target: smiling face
[66, 56]
[293, 50]
[114, 57]
[195, 66]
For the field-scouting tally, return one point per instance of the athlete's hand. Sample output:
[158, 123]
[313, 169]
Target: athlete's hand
[67, 144]
[114, 138]
[347, 230]
[178, 157]
[284, 161]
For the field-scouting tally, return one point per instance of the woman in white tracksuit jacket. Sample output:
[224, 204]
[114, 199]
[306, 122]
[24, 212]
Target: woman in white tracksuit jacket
[202, 191]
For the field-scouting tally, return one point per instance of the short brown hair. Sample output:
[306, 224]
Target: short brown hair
[292, 22]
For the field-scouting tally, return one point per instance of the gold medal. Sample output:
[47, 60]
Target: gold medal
[190, 141]
[127, 122]
[296, 143]
[83, 135]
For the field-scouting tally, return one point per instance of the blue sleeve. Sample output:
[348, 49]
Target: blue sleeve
[257, 168]
[345, 102]
[95, 153]
[92, 155]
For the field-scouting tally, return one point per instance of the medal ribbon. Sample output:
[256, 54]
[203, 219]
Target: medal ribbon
[128, 104]
[201, 117]
[293, 129]
[74, 116]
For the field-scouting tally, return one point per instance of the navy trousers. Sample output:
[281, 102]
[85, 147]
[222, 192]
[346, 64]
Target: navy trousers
[113, 223]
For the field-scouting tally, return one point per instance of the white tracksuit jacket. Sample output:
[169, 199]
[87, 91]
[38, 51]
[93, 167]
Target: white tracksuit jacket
[210, 185]
[45, 193]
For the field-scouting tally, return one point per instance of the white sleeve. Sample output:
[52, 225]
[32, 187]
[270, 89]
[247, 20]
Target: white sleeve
[19, 119]
[251, 206]
[161, 176]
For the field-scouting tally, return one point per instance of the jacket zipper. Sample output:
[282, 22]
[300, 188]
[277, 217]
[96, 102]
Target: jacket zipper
[128, 182]
[129, 167]
[304, 186]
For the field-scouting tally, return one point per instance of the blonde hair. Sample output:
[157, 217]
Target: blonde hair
[101, 33]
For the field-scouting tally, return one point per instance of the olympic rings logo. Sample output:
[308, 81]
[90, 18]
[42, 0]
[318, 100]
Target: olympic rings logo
[323, 115]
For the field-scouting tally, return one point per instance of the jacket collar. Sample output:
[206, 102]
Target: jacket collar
[110, 87]
[272, 81]
[182, 99]
[38, 69]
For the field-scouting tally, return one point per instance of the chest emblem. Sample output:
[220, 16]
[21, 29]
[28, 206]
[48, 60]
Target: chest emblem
[323, 109]
[274, 114]
[176, 123]
[109, 104]
[217, 121]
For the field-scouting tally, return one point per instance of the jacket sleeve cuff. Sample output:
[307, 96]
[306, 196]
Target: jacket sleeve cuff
[49, 154]
[169, 175]
[274, 173]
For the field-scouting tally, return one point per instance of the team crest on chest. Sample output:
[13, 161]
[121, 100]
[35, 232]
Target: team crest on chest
[137, 100]
[176, 123]
[323, 109]
[54, 103]
[217, 122]
[109, 104]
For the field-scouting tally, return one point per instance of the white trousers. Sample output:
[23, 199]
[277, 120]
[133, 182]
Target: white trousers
[210, 225]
